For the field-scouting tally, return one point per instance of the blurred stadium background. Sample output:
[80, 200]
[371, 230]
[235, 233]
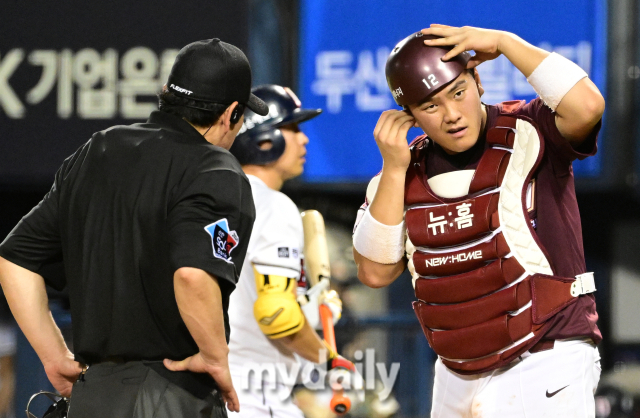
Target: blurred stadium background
[70, 68]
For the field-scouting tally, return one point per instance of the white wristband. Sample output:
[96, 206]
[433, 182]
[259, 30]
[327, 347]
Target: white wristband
[381, 243]
[554, 77]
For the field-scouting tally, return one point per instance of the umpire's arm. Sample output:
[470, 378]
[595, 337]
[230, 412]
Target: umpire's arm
[27, 297]
[199, 300]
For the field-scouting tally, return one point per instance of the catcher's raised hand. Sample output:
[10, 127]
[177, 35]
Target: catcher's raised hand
[390, 134]
[484, 42]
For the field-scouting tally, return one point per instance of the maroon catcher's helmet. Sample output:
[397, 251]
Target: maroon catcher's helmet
[415, 71]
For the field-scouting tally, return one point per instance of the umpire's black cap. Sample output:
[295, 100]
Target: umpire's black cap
[215, 72]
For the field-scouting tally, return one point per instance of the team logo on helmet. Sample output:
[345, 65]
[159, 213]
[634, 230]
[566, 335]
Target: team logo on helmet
[255, 119]
[293, 96]
[222, 239]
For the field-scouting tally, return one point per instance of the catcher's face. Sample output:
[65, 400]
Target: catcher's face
[454, 117]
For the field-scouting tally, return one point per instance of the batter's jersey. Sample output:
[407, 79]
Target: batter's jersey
[275, 248]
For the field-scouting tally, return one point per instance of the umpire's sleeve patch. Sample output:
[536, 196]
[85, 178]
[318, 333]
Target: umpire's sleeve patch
[223, 240]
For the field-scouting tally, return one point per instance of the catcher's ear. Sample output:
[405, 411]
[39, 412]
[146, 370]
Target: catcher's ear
[476, 77]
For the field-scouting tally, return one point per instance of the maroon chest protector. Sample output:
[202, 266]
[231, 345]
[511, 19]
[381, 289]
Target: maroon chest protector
[482, 300]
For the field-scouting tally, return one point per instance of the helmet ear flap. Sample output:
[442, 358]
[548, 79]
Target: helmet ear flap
[284, 109]
[246, 147]
[277, 148]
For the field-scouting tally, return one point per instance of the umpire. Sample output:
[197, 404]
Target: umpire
[152, 222]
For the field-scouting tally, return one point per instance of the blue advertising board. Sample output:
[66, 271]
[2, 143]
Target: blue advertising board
[344, 47]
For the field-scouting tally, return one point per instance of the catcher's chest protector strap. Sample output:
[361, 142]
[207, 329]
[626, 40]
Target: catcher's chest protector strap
[485, 288]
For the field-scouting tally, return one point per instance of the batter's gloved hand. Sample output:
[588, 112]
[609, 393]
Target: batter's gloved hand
[333, 301]
[339, 369]
[316, 296]
[339, 362]
[336, 361]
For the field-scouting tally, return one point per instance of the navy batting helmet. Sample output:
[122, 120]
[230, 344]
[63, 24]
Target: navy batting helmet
[415, 71]
[284, 109]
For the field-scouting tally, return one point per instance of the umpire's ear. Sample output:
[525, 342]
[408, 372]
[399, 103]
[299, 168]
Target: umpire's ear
[476, 77]
[230, 117]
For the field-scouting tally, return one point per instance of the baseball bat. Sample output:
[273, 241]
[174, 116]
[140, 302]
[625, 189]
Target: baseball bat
[316, 260]
[316, 252]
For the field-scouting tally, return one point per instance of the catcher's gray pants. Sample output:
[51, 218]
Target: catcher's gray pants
[133, 390]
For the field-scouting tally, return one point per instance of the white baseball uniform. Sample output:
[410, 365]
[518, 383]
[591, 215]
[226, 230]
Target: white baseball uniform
[275, 248]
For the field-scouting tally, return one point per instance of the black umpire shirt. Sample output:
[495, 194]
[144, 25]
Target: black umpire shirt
[129, 208]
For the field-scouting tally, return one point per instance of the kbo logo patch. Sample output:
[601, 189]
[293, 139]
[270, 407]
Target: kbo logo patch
[222, 239]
